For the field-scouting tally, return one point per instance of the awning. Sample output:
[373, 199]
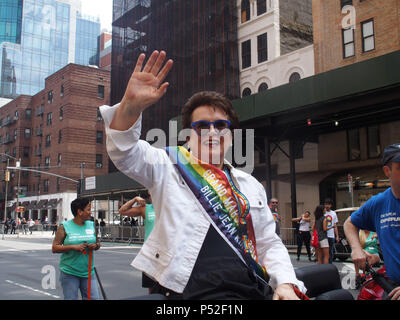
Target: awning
[41, 205]
[31, 205]
[52, 204]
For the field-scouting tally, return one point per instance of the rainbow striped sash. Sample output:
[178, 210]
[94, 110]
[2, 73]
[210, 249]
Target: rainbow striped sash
[228, 208]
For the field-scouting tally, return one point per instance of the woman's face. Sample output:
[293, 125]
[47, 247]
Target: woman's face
[86, 213]
[211, 145]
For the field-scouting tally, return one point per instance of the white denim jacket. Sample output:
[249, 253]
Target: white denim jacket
[181, 224]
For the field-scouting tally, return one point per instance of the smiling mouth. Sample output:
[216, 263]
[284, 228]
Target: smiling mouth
[211, 143]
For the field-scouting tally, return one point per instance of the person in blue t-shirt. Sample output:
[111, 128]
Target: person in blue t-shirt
[381, 214]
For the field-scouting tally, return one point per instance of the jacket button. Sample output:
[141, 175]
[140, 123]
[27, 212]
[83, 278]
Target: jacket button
[157, 255]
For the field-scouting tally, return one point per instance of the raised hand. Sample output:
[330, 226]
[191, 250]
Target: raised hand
[145, 88]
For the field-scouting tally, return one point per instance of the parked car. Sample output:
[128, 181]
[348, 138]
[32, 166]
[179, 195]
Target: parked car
[342, 250]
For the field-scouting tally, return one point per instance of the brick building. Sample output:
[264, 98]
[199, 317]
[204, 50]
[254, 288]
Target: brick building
[342, 118]
[105, 45]
[364, 30]
[60, 131]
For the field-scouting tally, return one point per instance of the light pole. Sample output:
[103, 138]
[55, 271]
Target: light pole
[7, 178]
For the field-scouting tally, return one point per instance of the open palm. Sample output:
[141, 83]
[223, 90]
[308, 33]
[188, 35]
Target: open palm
[145, 86]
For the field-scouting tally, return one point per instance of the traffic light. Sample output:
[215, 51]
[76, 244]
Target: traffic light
[7, 176]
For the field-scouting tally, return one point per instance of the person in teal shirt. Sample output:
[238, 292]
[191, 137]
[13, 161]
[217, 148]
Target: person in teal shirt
[138, 207]
[369, 243]
[74, 239]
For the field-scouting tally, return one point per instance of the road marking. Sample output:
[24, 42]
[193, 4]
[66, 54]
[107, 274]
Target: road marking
[33, 289]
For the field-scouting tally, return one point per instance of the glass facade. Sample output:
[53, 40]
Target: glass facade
[44, 47]
[10, 21]
[200, 36]
[86, 45]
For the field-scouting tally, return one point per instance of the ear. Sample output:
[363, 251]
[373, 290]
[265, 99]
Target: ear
[387, 171]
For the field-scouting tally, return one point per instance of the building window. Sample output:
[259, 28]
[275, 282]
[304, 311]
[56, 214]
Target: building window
[28, 114]
[368, 36]
[373, 141]
[49, 118]
[46, 185]
[245, 10]
[348, 43]
[261, 7]
[246, 54]
[15, 134]
[262, 47]
[48, 140]
[59, 160]
[263, 87]
[47, 162]
[100, 92]
[62, 91]
[99, 137]
[27, 133]
[246, 92]
[59, 136]
[353, 144]
[346, 3]
[26, 152]
[99, 161]
[16, 115]
[295, 76]
[50, 96]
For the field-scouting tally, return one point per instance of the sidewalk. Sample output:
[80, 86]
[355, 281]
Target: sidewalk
[34, 235]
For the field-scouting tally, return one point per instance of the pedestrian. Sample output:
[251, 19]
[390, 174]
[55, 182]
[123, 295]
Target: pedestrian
[320, 224]
[102, 225]
[7, 225]
[24, 225]
[214, 235]
[380, 214]
[13, 226]
[54, 227]
[31, 224]
[274, 210]
[369, 243]
[74, 239]
[303, 234]
[138, 207]
[333, 233]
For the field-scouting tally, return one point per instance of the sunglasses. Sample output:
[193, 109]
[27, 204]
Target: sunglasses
[202, 127]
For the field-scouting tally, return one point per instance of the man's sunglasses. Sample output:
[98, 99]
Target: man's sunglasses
[202, 127]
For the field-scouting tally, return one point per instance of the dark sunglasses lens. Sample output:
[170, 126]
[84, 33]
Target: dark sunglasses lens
[221, 125]
[202, 126]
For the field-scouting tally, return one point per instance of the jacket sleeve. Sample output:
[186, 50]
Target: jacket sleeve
[132, 156]
[272, 252]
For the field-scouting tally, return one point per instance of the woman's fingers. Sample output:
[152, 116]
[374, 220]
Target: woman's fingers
[139, 63]
[150, 63]
[158, 64]
[165, 70]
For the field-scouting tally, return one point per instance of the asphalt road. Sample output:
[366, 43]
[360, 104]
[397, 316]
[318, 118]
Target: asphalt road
[29, 270]
[27, 267]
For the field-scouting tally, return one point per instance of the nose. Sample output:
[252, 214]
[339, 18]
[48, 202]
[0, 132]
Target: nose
[212, 130]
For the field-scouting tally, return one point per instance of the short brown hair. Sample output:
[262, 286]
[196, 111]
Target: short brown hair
[212, 99]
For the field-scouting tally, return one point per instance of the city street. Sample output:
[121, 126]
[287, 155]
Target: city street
[22, 260]
[27, 263]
